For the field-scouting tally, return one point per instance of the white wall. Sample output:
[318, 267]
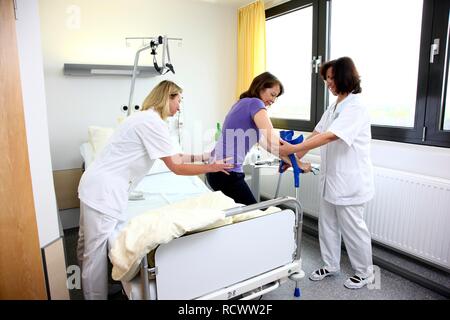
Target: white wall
[94, 31]
[35, 109]
[424, 160]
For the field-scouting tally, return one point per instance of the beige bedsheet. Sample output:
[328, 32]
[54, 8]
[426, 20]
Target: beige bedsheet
[145, 232]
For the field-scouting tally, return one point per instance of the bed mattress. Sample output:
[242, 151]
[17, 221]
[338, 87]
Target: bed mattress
[159, 190]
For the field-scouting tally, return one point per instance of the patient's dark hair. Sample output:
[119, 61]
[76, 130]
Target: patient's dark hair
[263, 81]
[346, 77]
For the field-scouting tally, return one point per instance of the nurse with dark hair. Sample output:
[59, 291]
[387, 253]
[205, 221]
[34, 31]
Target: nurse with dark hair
[346, 180]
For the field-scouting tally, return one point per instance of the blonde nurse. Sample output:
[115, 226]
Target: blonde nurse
[105, 185]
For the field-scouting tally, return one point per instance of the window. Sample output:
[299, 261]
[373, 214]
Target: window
[404, 85]
[286, 54]
[292, 37]
[374, 45]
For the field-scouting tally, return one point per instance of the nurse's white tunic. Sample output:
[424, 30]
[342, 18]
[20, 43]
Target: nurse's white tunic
[346, 169]
[125, 160]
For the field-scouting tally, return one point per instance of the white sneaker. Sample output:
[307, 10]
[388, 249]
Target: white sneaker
[356, 282]
[321, 273]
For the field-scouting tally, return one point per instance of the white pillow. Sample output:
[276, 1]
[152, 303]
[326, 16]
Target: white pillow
[99, 137]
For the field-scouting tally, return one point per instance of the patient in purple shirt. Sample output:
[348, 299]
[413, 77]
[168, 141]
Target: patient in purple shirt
[239, 132]
[242, 128]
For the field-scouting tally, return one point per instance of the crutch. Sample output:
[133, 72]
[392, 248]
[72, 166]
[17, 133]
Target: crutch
[288, 136]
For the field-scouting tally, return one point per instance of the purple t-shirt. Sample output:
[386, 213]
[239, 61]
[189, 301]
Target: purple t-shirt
[239, 132]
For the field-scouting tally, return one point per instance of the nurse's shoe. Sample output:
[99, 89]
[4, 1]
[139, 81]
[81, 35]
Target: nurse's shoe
[357, 282]
[321, 273]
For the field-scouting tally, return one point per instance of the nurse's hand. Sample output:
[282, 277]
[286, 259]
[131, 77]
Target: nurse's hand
[221, 166]
[305, 166]
[286, 148]
[301, 154]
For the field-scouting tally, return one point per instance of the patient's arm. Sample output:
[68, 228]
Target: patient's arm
[316, 140]
[268, 138]
[301, 154]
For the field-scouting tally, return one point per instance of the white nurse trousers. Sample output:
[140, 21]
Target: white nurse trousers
[92, 251]
[335, 220]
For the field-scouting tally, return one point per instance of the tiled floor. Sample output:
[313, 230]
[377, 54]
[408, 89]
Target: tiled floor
[389, 287]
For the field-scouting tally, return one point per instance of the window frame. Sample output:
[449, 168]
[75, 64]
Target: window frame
[431, 77]
[433, 134]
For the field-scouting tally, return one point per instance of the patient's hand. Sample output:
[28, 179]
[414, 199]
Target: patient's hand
[286, 165]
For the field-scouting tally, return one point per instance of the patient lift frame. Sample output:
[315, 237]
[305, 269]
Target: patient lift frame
[147, 273]
[159, 40]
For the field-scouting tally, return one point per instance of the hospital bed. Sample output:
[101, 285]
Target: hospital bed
[242, 260]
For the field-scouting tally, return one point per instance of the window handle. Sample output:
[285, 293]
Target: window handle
[315, 63]
[15, 9]
[434, 50]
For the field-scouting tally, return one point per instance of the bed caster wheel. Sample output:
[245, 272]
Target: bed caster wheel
[297, 276]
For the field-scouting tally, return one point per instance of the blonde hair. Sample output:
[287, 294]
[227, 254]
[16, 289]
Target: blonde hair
[158, 98]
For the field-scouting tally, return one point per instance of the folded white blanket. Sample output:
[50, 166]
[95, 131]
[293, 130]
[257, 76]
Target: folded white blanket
[145, 232]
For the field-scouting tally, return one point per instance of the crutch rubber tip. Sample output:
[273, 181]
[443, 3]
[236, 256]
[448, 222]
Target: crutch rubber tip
[297, 292]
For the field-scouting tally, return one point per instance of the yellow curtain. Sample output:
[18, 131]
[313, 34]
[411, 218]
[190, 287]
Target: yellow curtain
[251, 44]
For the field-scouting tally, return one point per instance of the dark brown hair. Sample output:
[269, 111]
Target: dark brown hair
[346, 77]
[263, 81]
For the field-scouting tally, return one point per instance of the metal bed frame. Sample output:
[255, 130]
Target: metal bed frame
[147, 273]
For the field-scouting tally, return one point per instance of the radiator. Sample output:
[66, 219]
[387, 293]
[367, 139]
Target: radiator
[410, 212]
